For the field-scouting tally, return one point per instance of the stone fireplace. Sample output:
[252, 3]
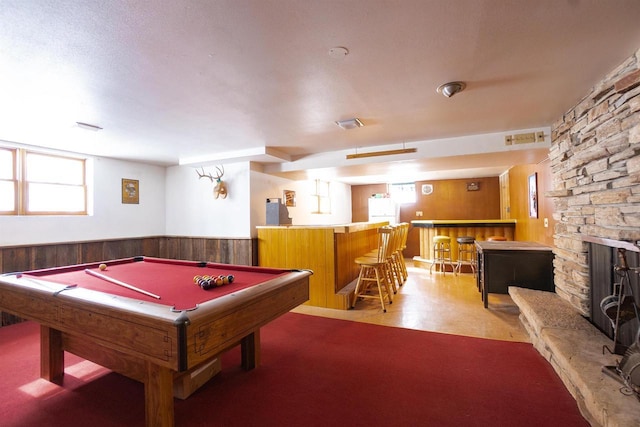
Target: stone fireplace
[595, 168]
[595, 165]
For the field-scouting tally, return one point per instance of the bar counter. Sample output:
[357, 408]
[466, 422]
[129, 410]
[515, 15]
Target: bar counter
[329, 250]
[479, 229]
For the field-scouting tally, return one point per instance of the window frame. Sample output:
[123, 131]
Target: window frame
[403, 186]
[21, 184]
[14, 179]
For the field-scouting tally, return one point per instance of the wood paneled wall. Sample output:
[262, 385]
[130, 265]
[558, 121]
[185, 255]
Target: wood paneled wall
[360, 195]
[449, 200]
[31, 257]
[527, 228]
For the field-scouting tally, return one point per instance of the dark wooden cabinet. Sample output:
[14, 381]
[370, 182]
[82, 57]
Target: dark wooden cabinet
[523, 264]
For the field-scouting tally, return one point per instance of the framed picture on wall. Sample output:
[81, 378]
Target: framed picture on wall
[289, 198]
[130, 191]
[533, 195]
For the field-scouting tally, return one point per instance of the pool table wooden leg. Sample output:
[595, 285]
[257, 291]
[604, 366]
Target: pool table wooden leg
[250, 350]
[51, 355]
[158, 395]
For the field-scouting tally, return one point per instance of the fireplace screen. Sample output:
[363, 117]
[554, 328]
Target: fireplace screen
[606, 293]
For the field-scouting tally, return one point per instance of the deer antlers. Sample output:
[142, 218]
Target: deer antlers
[220, 189]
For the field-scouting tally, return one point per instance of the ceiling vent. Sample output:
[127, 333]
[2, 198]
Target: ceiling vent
[350, 123]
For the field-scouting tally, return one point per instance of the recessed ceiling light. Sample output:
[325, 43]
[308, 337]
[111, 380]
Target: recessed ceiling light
[350, 123]
[88, 126]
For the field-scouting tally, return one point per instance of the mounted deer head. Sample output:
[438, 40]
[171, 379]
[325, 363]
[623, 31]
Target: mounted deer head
[220, 189]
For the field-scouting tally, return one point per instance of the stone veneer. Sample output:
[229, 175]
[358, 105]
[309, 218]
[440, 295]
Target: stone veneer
[595, 164]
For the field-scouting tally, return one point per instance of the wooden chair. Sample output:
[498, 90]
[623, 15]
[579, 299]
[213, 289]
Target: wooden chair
[374, 278]
[393, 271]
[397, 267]
[402, 245]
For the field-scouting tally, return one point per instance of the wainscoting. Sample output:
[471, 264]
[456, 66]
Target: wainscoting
[32, 257]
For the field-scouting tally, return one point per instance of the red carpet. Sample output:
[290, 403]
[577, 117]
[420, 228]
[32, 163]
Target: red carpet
[314, 372]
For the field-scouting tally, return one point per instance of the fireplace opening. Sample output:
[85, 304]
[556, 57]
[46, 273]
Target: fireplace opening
[615, 290]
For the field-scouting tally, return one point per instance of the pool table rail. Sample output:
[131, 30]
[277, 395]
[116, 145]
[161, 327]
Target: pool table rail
[145, 330]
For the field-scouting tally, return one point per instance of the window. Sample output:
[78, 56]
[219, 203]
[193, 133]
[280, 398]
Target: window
[321, 200]
[33, 183]
[403, 193]
[8, 182]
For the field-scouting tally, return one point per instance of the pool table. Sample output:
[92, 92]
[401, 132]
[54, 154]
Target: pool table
[147, 319]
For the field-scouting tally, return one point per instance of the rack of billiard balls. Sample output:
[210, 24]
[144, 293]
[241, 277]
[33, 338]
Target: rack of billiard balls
[208, 282]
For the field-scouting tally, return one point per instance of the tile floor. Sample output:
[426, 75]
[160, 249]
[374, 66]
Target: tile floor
[438, 302]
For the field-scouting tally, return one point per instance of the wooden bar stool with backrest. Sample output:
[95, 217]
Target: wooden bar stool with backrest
[403, 231]
[374, 272]
[397, 276]
[393, 275]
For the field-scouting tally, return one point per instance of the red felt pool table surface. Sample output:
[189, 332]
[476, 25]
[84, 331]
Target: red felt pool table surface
[171, 280]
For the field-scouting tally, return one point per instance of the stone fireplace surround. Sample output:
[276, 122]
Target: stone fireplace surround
[595, 167]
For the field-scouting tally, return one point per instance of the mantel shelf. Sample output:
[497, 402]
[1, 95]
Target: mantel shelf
[621, 244]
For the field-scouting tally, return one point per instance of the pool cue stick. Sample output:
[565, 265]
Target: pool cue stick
[119, 283]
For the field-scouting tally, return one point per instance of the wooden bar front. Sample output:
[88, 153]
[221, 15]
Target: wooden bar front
[478, 229]
[329, 251]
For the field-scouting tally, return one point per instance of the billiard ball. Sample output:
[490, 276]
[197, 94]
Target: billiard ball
[102, 267]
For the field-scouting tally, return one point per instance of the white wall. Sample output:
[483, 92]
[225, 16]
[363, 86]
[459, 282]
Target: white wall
[191, 209]
[340, 195]
[174, 202]
[265, 187]
[110, 218]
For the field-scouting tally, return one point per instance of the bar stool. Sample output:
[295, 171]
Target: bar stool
[404, 227]
[374, 272]
[496, 239]
[466, 254]
[441, 253]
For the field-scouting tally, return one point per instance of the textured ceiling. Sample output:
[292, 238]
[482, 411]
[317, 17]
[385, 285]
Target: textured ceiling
[203, 81]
